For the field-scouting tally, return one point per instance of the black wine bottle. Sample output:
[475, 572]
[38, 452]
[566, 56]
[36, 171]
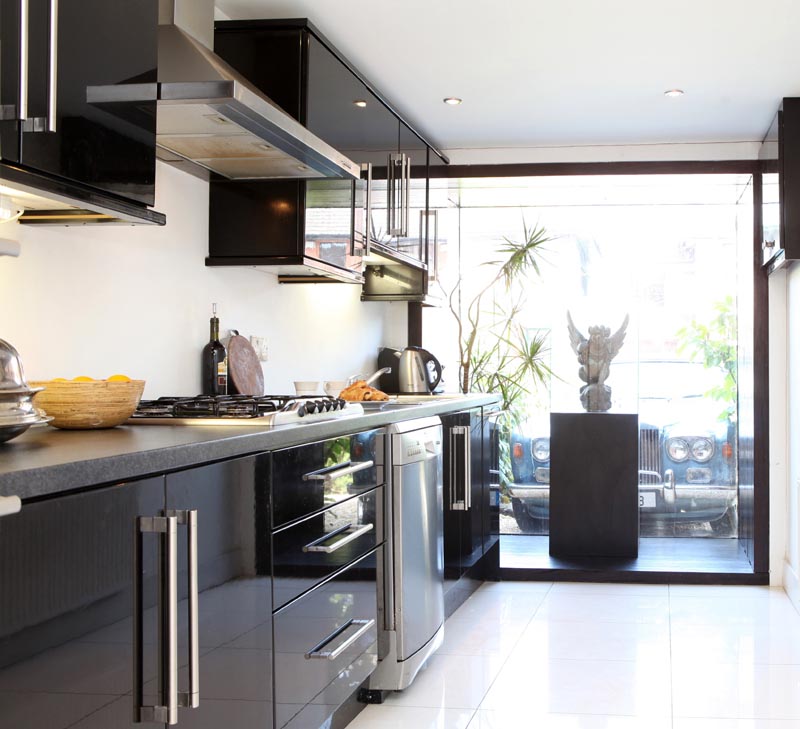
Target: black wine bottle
[215, 361]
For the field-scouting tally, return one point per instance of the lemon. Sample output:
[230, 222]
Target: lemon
[59, 379]
[119, 378]
[83, 378]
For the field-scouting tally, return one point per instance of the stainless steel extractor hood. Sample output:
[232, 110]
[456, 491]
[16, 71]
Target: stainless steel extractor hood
[212, 117]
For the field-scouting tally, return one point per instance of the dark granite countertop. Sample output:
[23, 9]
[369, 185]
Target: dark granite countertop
[45, 460]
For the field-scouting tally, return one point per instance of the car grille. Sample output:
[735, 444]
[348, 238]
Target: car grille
[649, 457]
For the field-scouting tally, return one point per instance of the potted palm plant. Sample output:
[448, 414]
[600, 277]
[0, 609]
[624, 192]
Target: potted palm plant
[497, 353]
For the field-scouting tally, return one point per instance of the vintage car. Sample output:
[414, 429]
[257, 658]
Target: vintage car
[687, 455]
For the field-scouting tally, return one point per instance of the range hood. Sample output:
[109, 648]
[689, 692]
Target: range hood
[210, 118]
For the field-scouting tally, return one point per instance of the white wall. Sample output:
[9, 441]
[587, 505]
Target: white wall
[136, 300]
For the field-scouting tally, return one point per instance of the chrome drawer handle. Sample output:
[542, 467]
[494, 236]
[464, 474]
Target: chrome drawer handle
[10, 505]
[316, 545]
[167, 711]
[191, 699]
[318, 652]
[340, 469]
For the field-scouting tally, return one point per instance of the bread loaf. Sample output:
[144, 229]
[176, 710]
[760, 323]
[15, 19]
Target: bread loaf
[360, 390]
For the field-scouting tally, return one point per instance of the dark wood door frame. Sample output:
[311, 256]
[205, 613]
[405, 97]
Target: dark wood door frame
[759, 554]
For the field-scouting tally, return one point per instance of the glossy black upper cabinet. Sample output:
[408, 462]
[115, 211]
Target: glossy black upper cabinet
[780, 153]
[90, 88]
[293, 64]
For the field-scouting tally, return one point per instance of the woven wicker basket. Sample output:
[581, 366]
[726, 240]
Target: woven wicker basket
[85, 405]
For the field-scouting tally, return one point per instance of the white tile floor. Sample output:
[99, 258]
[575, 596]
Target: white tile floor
[596, 656]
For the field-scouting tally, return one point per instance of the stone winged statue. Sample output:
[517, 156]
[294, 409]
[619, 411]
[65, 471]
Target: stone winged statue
[595, 355]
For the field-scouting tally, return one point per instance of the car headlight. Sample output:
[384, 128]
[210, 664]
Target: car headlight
[677, 449]
[702, 449]
[540, 449]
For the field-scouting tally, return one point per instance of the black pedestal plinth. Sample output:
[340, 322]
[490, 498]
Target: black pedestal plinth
[594, 485]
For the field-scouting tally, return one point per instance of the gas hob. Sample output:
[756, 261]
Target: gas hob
[242, 410]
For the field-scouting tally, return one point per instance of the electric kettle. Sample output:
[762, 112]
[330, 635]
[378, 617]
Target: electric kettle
[418, 371]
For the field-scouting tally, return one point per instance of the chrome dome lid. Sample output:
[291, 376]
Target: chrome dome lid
[12, 376]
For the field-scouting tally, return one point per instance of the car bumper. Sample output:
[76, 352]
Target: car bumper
[690, 502]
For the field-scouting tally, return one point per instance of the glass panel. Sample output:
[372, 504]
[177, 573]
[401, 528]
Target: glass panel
[659, 249]
[329, 223]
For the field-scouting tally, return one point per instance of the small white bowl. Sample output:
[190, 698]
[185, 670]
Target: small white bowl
[334, 387]
[306, 387]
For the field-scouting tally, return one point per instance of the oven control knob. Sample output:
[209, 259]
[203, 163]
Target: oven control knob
[340, 403]
[300, 410]
[326, 405]
[310, 406]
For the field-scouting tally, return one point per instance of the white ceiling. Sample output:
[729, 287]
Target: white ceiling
[566, 72]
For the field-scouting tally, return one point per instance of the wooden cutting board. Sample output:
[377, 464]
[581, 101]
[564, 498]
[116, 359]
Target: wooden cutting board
[244, 370]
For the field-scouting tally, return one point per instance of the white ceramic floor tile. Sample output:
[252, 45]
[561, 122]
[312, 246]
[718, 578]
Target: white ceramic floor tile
[524, 587]
[608, 588]
[746, 644]
[605, 608]
[723, 690]
[775, 611]
[500, 606]
[628, 688]
[466, 637]
[679, 723]
[556, 640]
[520, 718]
[450, 682]
[411, 717]
[732, 592]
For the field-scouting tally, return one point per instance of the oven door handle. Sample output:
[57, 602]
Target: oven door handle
[331, 473]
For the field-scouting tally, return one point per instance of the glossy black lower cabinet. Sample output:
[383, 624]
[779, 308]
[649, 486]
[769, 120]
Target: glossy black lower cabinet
[326, 645]
[66, 603]
[307, 552]
[231, 502]
[304, 477]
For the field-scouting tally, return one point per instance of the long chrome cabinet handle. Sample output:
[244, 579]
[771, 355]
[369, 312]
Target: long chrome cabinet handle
[368, 240]
[340, 469]
[191, 699]
[167, 711]
[435, 213]
[317, 546]
[9, 505]
[407, 205]
[390, 194]
[22, 112]
[52, 75]
[318, 652]
[456, 503]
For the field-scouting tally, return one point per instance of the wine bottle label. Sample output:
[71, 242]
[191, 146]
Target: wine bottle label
[222, 377]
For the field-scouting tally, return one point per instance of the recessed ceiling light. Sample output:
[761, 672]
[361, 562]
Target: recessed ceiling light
[360, 103]
[452, 100]
[674, 92]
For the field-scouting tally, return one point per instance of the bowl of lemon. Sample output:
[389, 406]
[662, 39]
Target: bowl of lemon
[85, 403]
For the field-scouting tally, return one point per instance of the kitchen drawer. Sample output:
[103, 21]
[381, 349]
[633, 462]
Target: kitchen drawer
[307, 552]
[312, 477]
[325, 643]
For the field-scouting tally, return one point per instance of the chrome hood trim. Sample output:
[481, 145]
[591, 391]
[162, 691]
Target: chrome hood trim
[211, 116]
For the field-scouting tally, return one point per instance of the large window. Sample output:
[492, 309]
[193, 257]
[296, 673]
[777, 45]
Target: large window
[657, 250]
